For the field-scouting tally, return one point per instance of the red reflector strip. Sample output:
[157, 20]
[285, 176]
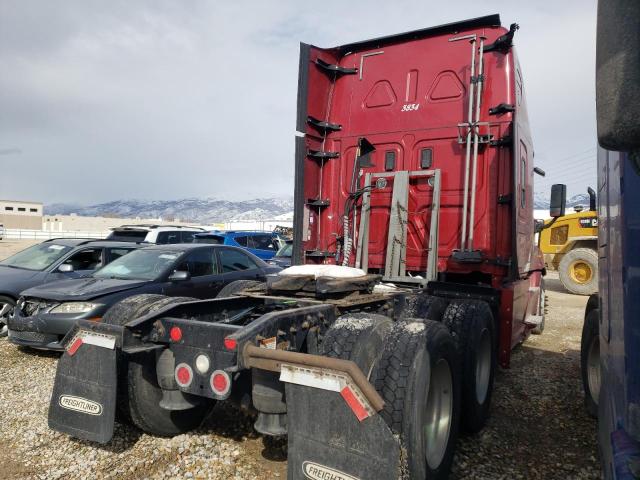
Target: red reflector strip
[75, 345]
[354, 404]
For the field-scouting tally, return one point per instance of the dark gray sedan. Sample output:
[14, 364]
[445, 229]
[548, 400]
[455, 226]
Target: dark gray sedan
[45, 314]
[53, 260]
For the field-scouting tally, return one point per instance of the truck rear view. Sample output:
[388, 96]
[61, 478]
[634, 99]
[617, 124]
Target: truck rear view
[413, 164]
[417, 163]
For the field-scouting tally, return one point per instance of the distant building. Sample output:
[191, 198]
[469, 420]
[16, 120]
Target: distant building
[21, 215]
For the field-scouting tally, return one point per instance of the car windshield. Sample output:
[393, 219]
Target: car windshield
[286, 251]
[37, 257]
[139, 265]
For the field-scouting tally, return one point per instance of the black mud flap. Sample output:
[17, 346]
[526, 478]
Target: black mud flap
[327, 441]
[83, 401]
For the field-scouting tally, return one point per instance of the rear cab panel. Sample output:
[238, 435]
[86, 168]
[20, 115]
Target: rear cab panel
[406, 96]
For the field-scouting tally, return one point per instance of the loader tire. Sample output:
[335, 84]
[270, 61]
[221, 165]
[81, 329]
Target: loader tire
[473, 329]
[139, 394]
[358, 337]
[427, 307]
[418, 377]
[237, 286]
[578, 271]
[590, 361]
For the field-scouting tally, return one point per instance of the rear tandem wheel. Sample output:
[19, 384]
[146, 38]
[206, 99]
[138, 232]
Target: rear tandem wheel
[139, 394]
[472, 327]
[418, 377]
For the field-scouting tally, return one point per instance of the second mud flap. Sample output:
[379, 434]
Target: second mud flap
[83, 401]
[328, 441]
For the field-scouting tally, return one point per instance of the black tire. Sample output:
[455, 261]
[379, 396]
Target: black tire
[542, 307]
[419, 365]
[590, 361]
[237, 286]
[426, 307]
[358, 337]
[473, 329]
[139, 394]
[587, 256]
[4, 300]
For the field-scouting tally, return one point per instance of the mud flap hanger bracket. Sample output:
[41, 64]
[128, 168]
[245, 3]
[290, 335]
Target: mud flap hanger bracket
[317, 371]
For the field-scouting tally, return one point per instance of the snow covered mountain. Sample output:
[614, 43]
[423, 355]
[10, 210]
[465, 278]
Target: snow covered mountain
[201, 210]
[541, 202]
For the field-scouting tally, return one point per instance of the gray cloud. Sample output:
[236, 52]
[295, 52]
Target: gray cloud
[159, 99]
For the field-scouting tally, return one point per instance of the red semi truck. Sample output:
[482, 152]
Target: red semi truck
[416, 274]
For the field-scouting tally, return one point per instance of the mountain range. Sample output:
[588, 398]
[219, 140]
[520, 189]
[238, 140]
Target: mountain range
[541, 202]
[212, 210]
[200, 210]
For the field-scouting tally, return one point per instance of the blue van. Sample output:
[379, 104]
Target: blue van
[263, 245]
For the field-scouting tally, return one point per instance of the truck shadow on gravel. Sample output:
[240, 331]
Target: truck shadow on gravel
[39, 353]
[236, 424]
[553, 284]
[539, 428]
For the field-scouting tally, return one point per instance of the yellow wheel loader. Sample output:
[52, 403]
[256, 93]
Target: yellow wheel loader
[570, 246]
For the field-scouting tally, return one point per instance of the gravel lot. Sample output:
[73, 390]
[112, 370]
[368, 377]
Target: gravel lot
[538, 428]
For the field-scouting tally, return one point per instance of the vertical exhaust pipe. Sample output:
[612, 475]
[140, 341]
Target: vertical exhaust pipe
[476, 141]
[467, 159]
[592, 199]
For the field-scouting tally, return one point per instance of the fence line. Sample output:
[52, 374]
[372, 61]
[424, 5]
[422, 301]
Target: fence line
[19, 234]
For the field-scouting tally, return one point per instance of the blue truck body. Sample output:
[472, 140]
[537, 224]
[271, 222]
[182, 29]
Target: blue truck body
[619, 285]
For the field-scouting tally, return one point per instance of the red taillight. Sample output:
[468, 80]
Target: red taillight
[183, 375]
[176, 334]
[220, 382]
[230, 343]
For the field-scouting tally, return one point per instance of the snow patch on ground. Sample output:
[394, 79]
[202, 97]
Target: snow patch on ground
[353, 323]
[414, 327]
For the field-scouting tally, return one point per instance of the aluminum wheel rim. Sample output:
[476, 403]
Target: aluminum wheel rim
[438, 413]
[483, 366]
[593, 369]
[3, 319]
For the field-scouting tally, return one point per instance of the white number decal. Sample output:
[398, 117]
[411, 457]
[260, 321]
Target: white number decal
[409, 107]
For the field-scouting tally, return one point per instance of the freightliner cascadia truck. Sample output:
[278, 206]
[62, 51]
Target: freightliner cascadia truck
[415, 274]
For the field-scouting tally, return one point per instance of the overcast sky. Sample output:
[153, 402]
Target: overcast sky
[108, 100]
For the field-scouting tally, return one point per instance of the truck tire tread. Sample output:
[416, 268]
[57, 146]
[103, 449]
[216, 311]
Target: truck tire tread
[465, 320]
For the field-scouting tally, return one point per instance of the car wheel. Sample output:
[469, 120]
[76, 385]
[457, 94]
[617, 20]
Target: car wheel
[7, 304]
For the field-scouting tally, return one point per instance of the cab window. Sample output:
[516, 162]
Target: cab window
[89, 259]
[165, 238]
[243, 241]
[186, 237]
[262, 242]
[235, 261]
[114, 253]
[199, 263]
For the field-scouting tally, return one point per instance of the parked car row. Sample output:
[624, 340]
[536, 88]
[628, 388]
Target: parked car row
[61, 280]
[51, 261]
[44, 314]
[264, 245]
